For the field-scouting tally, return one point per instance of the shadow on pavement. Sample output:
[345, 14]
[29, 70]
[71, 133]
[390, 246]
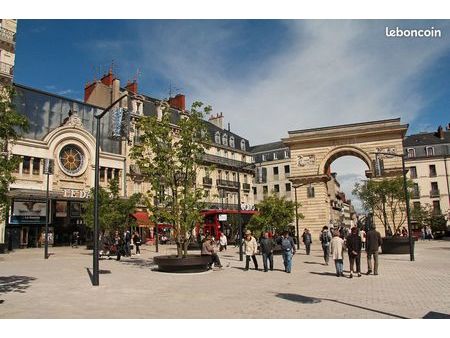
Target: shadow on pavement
[139, 262]
[311, 300]
[15, 283]
[324, 273]
[436, 315]
[313, 263]
[298, 298]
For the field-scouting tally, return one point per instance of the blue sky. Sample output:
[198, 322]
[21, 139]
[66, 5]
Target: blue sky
[266, 76]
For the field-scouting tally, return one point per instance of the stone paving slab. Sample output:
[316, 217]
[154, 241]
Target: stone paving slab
[60, 287]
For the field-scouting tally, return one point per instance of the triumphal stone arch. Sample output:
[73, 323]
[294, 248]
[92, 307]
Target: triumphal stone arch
[313, 151]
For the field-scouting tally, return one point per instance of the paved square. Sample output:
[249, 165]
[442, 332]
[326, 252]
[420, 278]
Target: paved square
[31, 287]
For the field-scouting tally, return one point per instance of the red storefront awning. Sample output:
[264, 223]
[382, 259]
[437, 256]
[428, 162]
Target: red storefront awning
[141, 218]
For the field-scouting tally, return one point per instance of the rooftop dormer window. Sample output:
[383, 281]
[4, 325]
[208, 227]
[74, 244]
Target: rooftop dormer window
[232, 141]
[217, 137]
[225, 139]
[243, 145]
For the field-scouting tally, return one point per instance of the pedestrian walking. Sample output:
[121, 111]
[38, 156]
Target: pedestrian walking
[423, 233]
[266, 247]
[251, 248]
[75, 239]
[337, 252]
[118, 245]
[223, 242]
[307, 240]
[353, 243]
[429, 233]
[288, 247]
[208, 250]
[362, 234]
[137, 243]
[127, 242]
[325, 238]
[373, 242]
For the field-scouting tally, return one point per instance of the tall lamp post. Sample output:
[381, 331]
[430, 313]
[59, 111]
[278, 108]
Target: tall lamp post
[405, 190]
[296, 215]
[48, 170]
[95, 270]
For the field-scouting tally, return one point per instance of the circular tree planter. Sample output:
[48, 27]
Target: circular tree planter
[191, 263]
[396, 245]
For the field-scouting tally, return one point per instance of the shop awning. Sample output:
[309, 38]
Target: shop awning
[141, 218]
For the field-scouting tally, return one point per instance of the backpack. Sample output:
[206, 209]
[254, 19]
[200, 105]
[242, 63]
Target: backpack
[324, 237]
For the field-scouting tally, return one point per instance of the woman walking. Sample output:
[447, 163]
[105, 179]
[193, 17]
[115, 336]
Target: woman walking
[251, 248]
[337, 251]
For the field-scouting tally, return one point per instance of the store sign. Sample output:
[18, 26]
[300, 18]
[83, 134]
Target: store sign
[74, 193]
[28, 212]
[222, 217]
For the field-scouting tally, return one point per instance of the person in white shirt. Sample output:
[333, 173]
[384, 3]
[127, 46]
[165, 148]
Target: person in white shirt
[223, 242]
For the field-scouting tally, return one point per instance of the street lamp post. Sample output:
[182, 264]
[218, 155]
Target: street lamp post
[408, 213]
[95, 269]
[48, 170]
[296, 216]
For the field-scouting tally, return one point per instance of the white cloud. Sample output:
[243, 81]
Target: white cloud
[334, 72]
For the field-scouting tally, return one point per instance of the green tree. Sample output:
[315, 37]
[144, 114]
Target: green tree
[426, 215]
[386, 199]
[169, 156]
[274, 213]
[114, 211]
[12, 125]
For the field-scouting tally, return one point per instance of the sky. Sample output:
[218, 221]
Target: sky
[266, 76]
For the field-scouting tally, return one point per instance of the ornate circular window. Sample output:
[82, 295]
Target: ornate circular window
[71, 159]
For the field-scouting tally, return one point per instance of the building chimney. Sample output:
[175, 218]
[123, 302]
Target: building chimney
[178, 102]
[132, 87]
[217, 120]
[440, 132]
[108, 78]
[88, 89]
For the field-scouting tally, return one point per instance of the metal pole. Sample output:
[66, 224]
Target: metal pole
[95, 256]
[95, 272]
[46, 219]
[296, 218]
[411, 247]
[157, 238]
[241, 253]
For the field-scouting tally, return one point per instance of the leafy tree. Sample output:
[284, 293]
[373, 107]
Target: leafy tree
[114, 211]
[425, 215]
[386, 199]
[12, 124]
[169, 156]
[275, 213]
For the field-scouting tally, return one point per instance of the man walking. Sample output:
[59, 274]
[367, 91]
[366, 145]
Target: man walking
[353, 242]
[373, 242]
[307, 240]
[251, 248]
[288, 247]
[325, 238]
[266, 248]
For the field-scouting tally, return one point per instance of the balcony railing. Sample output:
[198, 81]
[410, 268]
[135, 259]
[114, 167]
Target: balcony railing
[207, 181]
[6, 69]
[228, 162]
[434, 193]
[221, 205]
[246, 186]
[7, 35]
[227, 184]
[415, 194]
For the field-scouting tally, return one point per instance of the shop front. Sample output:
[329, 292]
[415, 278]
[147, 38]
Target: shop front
[26, 224]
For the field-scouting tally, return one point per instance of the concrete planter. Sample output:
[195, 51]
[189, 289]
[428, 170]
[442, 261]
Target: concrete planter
[395, 245]
[191, 263]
